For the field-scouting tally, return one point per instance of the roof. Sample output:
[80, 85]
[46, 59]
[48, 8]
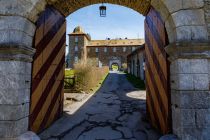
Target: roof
[78, 30]
[116, 42]
[136, 51]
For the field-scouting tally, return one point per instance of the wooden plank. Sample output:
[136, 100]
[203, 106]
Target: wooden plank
[154, 99]
[48, 70]
[157, 71]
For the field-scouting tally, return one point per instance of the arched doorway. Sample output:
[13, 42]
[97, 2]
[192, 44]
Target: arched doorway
[116, 62]
[185, 22]
[115, 67]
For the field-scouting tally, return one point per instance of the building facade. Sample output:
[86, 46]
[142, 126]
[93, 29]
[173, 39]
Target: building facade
[106, 52]
[136, 62]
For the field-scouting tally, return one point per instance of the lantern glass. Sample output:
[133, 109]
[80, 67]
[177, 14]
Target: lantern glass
[102, 11]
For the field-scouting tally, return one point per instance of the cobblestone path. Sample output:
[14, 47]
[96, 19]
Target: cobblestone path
[116, 112]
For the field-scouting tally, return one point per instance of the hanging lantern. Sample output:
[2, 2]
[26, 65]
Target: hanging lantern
[102, 9]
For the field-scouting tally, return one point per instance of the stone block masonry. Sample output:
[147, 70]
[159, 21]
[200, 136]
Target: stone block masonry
[186, 21]
[190, 95]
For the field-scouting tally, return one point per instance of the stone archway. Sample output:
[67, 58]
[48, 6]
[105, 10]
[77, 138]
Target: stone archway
[115, 60]
[115, 67]
[186, 25]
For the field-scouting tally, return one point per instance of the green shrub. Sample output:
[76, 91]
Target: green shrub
[88, 75]
[136, 81]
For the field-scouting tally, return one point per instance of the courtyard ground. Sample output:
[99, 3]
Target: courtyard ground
[117, 111]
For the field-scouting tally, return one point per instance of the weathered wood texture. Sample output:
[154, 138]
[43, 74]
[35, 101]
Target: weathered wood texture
[157, 72]
[48, 70]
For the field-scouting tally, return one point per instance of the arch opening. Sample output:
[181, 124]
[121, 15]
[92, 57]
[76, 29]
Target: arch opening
[186, 27]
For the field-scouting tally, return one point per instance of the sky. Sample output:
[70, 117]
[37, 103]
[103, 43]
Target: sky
[120, 22]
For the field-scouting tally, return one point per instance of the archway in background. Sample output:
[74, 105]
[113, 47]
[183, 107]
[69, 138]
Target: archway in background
[186, 26]
[115, 67]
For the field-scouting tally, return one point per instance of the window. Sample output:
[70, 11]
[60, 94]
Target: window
[105, 49]
[76, 49]
[76, 39]
[76, 59]
[96, 49]
[88, 49]
[124, 49]
[114, 49]
[133, 48]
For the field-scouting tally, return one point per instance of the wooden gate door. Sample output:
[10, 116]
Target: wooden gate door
[157, 73]
[48, 70]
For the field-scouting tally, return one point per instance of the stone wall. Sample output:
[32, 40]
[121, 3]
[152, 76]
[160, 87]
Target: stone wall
[190, 94]
[81, 48]
[185, 20]
[105, 57]
[15, 69]
[207, 15]
[135, 62]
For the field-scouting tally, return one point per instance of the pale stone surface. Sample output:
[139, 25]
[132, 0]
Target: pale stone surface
[189, 18]
[13, 112]
[14, 81]
[184, 66]
[9, 36]
[17, 23]
[192, 4]
[14, 67]
[183, 117]
[201, 81]
[173, 5]
[12, 129]
[207, 15]
[24, 8]
[189, 82]
[191, 99]
[185, 82]
[191, 33]
[14, 96]
[203, 118]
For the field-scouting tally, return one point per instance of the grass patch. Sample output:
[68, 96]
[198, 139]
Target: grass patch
[69, 73]
[136, 81]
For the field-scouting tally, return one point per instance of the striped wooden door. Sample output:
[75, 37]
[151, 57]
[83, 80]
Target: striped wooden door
[157, 73]
[48, 70]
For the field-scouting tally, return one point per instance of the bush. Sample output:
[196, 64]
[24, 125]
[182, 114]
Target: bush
[88, 75]
[124, 67]
[136, 81]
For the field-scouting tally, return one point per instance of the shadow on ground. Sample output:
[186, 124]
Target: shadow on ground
[116, 112]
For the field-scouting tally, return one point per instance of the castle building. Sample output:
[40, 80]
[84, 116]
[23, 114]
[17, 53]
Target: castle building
[106, 52]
